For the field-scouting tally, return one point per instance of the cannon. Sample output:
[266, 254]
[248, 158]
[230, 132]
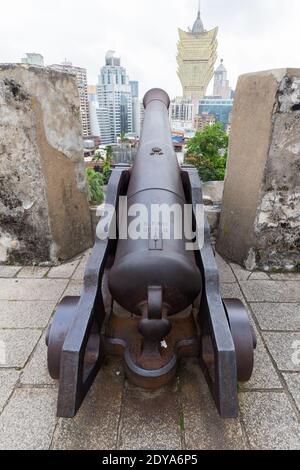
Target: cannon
[152, 296]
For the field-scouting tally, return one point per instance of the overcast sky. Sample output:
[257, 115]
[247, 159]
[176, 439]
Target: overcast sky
[253, 34]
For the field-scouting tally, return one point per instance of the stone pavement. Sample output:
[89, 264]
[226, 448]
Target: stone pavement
[118, 415]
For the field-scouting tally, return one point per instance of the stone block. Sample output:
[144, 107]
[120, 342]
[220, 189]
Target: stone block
[44, 215]
[260, 220]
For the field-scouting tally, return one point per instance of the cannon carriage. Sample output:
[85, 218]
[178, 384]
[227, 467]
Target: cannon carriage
[150, 299]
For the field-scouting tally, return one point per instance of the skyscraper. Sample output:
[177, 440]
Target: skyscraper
[221, 84]
[136, 108]
[114, 96]
[81, 80]
[197, 53]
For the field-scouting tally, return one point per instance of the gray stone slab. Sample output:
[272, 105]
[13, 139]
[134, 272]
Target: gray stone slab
[285, 350]
[264, 374]
[64, 271]
[8, 380]
[150, 419]
[231, 291]
[257, 276]
[277, 317]
[95, 427]
[32, 289]
[270, 421]
[28, 420]
[271, 291]
[79, 272]
[203, 427]
[240, 273]
[286, 277]
[9, 271]
[25, 314]
[36, 371]
[18, 345]
[74, 288]
[225, 271]
[293, 383]
[33, 272]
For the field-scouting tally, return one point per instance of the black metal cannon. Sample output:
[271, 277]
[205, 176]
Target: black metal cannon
[148, 298]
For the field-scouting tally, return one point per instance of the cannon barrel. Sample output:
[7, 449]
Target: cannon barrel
[156, 275]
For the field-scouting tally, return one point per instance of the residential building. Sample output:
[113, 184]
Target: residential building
[220, 108]
[136, 109]
[81, 80]
[114, 95]
[32, 58]
[203, 120]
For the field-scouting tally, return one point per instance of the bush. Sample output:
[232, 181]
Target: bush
[95, 186]
[207, 151]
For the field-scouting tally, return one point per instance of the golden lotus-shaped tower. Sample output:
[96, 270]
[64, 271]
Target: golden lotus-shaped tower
[197, 54]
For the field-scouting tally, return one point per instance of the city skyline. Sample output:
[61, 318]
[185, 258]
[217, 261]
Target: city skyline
[249, 38]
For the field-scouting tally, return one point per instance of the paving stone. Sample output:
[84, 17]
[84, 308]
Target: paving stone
[74, 288]
[277, 317]
[259, 277]
[18, 345]
[33, 272]
[264, 373]
[270, 421]
[293, 383]
[36, 371]
[225, 271]
[285, 350]
[8, 379]
[9, 271]
[286, 277]
[240, 273]
[64, 270]
[150, 420]
[27, 422]
[25, 314]
[95, 427]
[271, 291]
[32, 289]
[79, 272]
[231, 291]
[203, 427]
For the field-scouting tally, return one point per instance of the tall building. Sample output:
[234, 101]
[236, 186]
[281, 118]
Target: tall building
[181, 113]
[220, 108]
[197, 53]
[203, 120]
[114, 95]
[33, 59]
[93, 107]
[81, 80]
[136, 109]
[221, 84]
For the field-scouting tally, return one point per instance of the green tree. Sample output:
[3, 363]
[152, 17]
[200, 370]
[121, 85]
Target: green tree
[95, 186]
[207, 151]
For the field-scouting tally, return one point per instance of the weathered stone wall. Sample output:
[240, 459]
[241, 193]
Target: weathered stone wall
[44, 213]
[260, 220]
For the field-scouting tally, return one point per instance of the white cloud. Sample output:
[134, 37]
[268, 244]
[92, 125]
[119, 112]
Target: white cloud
[253, 34]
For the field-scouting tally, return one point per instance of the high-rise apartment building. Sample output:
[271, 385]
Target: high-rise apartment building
[181, 113]
[136, 108]
[197, 53]
[81, 80]
[32, 58]
[114, 96]
[221, 84]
